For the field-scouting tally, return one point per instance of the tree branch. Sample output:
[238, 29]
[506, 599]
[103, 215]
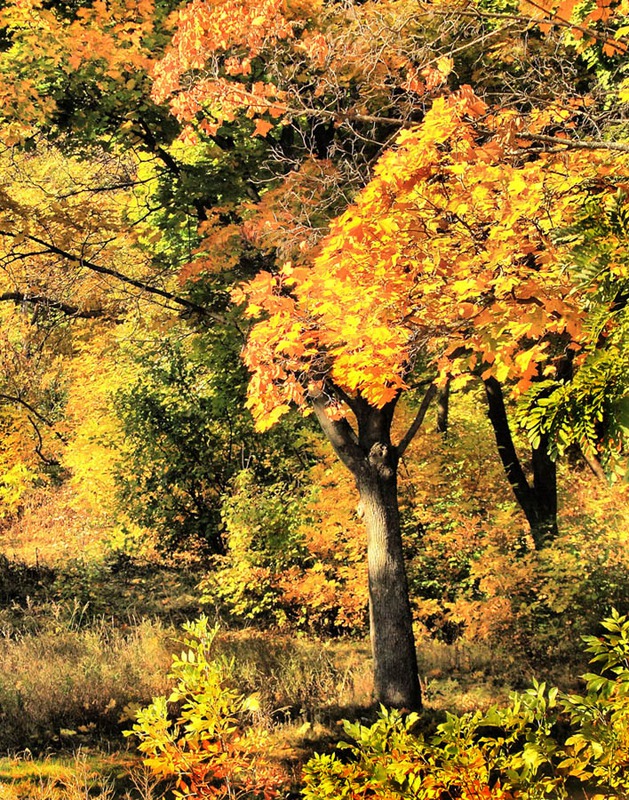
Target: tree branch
[83, 262]
[594, 464]
[417, 422]
[16, 399]
[575, 144]
[555, 19]
[341, 436]
[57, 305]
[39, 448]
[349, 401]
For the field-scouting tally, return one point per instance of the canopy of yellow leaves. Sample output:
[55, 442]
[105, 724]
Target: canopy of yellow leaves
[447, 251]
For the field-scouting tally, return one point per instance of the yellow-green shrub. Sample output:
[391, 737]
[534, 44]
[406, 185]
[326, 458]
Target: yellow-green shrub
[198, 736]
[545, 744]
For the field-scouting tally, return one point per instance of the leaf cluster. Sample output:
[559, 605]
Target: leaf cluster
[544, 744]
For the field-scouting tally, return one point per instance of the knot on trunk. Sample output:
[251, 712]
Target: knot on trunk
[380, 459]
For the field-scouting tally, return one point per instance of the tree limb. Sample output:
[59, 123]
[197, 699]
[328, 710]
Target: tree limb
[349, 401]
[16, 399]
[83, 262]
[594, 464]
[554, 19]
[341, 436]
[575, 144]
[39, 448]
[417, 422]
[57, 305]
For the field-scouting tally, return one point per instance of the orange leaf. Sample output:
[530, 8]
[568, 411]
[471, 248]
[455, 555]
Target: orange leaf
[262, 127]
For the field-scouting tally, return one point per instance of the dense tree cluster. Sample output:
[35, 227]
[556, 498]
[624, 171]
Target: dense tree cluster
[376, 204]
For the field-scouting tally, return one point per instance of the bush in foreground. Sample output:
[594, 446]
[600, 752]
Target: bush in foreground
[545, 744]
[199, 737]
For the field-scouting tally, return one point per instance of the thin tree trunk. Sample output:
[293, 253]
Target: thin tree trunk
[545, 493]
[539, 501]
[443, 408]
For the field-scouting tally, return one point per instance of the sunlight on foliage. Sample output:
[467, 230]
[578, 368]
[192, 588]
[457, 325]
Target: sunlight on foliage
[545, 743]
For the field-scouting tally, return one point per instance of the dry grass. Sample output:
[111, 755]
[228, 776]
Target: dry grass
[72, 685]
[85, 776]
[300, 679]
[65, 685]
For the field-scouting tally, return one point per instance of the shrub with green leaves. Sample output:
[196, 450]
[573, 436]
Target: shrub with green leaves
[545, 744]
[198, 736]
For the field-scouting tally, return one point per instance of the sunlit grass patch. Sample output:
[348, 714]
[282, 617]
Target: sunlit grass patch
[88, 774]
[63, 687]
[62, 778]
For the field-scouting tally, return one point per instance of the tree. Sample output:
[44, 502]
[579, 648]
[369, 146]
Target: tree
[372, 69]
[446, 257]
[445, 263]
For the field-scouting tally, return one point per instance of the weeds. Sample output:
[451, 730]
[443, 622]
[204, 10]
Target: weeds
[64, 685]
[84, 777]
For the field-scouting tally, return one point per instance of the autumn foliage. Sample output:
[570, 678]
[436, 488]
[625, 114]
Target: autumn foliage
[449, 251]
[353, 209]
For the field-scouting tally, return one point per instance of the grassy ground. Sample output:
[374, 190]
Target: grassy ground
[87, 636]
[71, 688]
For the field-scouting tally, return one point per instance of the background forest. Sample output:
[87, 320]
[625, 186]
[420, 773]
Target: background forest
[314, 402]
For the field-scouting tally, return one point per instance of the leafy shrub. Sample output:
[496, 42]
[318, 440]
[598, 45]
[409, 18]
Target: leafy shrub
[538, 606]
[544, 744]
[187, 435]
[197, 736]
[294, 557]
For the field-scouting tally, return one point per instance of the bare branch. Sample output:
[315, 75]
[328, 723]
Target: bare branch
[83, 262]
[594, 464]
[39, 448]
[575, 144]
[70, 311]
[20, 401]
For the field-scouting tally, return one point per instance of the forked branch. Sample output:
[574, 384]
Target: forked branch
[340, 434]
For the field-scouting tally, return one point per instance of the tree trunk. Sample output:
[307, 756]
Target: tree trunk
[539, 501]
[443, 409]
[545, 492]
[373, 461]
[396, 681]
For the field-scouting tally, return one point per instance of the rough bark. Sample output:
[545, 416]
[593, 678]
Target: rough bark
[539, 500]
[396, 681]
[373, 461]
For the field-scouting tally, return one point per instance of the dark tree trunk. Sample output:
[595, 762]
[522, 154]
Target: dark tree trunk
[373, 461]
[539, 500]
[396, 681]
[443, 408]
[545, 493]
